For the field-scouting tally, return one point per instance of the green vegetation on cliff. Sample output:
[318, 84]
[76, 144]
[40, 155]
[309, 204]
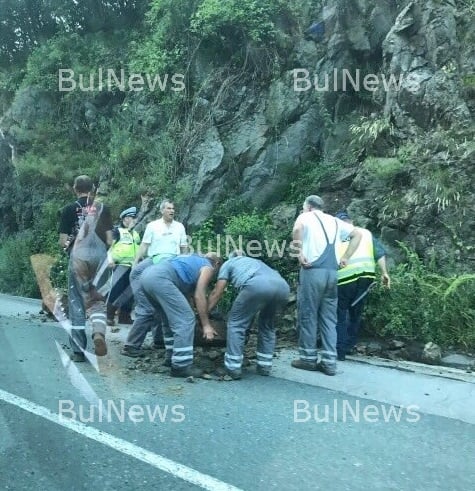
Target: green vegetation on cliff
[195, 100]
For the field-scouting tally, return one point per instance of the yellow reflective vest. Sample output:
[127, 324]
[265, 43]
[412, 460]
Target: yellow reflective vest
[362, 263]
[125, 249]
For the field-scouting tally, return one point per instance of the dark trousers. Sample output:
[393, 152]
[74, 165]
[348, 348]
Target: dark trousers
[348, 317]
[121, 295]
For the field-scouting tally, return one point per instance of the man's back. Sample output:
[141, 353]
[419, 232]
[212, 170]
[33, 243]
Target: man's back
[74, 215]
[240, 269]
[320, 229]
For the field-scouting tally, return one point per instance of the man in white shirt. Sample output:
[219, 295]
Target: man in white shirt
[317, 236]
[163, 239]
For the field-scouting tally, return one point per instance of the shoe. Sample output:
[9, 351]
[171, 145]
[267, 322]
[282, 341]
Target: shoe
[234, 374]
[78, 357]
[185, 372]
[110, 322]
[132, 352]
[304, 365]
[341, 357]
[326, 370]
[100, 346]
[167, 362]
[264, 371]
[124, 318]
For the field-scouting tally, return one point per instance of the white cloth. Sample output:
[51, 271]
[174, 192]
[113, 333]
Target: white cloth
[313, 240]
[164, 238]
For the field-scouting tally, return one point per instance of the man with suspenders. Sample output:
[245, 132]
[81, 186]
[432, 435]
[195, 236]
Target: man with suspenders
[317, 236]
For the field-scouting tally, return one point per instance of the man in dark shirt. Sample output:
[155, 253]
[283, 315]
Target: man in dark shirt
[85, 232]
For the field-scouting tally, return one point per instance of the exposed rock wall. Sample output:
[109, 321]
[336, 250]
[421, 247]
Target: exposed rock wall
[387, 183]
[407, 174]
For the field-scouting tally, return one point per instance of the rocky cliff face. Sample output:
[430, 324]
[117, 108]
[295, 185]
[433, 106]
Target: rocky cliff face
[400, 142]
[373, 109]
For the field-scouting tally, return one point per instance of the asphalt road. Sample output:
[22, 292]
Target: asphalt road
[124, 429]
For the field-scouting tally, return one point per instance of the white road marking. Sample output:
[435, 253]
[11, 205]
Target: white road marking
[76, 377]
[171, 467]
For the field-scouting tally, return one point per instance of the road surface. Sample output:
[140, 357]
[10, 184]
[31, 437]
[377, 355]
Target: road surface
[77, 426]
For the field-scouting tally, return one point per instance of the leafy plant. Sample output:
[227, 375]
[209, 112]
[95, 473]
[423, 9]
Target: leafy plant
[16, 274]
[253, 20]
[424, 305]
[368, 130]
[307, 177]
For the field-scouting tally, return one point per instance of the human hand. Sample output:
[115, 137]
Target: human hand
[303, 261]
[146, 200]
[209, 332]
[386, 280]
[343, 262]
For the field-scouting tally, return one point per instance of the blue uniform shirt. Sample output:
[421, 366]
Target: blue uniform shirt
[240, 269]
[188, 268]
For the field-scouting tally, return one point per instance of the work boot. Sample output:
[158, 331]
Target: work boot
[185, 372]
[234, 374]
[158, 344]
[124, 318]
[264, 371]
[304, 365]
[77, 357]
[132, 351]
[325, 369]
[100, 346]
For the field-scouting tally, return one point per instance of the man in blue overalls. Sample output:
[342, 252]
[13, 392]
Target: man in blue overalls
[317, 236]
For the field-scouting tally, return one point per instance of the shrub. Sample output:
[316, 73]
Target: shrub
[368, 130]
[16, 274]
[424, 305]
[253, 20]
[254, 233]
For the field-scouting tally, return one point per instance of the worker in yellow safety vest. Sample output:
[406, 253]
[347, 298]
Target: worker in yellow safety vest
[121, 257]
[355, 281]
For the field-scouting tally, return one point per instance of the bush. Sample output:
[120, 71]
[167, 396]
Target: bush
[252, 232]
[59, 272]
[424, 305]
[165, 46]
[16, 274]
[253, 20]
